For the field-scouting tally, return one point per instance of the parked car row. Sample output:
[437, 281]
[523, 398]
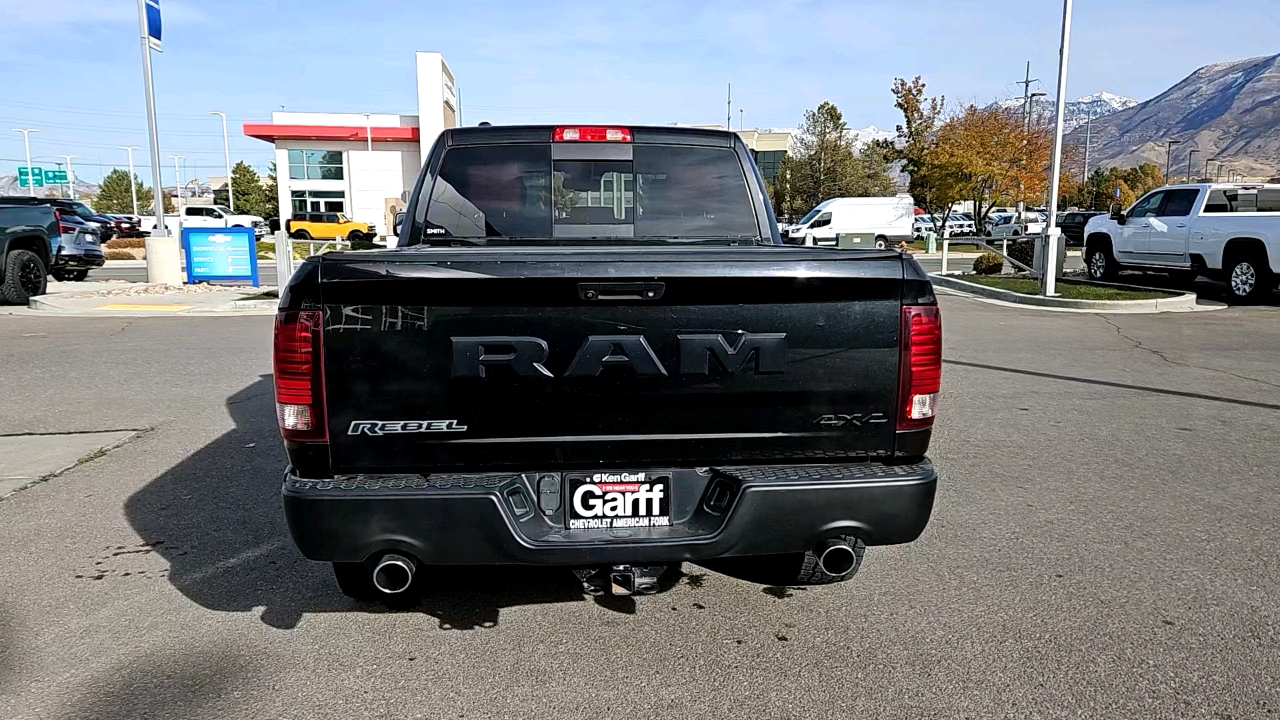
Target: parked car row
[957, 225]
[216, 216]
[39, 238]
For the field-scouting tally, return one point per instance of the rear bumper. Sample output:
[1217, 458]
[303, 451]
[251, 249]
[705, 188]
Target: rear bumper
[80, 260]
[492, 518]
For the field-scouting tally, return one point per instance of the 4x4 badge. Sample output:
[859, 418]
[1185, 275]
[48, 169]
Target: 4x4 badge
[854, 419]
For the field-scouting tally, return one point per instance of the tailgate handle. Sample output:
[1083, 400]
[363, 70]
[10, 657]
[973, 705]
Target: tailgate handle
[621, 291]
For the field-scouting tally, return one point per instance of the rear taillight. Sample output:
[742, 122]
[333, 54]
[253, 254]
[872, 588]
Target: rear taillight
[298, 360]
[591, 134]
[921, 368]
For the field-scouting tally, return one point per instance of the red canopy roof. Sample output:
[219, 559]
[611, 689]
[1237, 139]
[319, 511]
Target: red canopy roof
[272, 132]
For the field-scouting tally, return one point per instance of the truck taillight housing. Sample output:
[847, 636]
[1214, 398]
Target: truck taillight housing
[921, 366]
[298, 361]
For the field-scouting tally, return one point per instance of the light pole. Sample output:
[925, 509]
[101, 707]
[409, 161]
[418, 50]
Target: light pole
[133, 184]
[1168, 156]
[1189, 156]
[1050, 278]
[368, 131]
[741, 114]
[1031, 106]
[71, 176]
[26, 141]
[1088, 138]
[177, 188]
[226, 154]
[1206, 167]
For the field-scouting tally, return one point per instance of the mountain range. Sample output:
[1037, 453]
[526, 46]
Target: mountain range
[1228, 112]
[1079, 111]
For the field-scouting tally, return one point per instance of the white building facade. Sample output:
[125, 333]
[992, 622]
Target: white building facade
[357, 164]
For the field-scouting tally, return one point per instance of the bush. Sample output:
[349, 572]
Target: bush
[1024, 251]
[119, 255]
[988, 263]
[125, 243]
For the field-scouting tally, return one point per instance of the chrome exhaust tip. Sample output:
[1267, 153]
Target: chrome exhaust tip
[393, 574]
[835, 557]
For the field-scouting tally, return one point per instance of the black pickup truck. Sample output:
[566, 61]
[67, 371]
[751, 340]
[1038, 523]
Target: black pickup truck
[592, 350]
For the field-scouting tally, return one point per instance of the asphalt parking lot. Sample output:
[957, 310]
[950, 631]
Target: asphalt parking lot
[1103, 546]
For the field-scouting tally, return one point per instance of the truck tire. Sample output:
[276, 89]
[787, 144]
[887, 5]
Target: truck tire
[24, 277]
[1248, 276]
[70, 275]
[1099, 262]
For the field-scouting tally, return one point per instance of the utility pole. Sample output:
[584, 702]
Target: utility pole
[1050, 278]
[1189, 156]
[728, 105]
[226, 154]
[1168, 155]
[61, 192]
[177, 188]
[26, 141]
[133, 184]
[1026, 95]
[1088, 138]
[71, 176]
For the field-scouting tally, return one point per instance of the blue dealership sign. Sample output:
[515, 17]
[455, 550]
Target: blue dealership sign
[220, 254]
[154, 25]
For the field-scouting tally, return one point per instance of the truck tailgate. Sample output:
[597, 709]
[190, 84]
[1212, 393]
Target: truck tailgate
[490, 358]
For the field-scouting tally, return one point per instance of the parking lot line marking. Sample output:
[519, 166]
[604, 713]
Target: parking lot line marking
[157, 307]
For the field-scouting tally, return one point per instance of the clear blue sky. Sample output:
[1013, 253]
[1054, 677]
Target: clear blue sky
[72, 67]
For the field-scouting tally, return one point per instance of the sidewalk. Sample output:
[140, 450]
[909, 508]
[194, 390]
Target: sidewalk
[129, 299]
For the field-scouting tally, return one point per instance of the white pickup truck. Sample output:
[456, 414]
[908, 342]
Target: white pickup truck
[206, 216]
[1224, 231]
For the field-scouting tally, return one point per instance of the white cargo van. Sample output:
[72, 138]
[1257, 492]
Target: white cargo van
[887, 219]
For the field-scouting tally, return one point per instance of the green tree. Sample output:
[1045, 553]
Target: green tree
[826, 164]
[114, 195]
[269, 194]
[246, 186]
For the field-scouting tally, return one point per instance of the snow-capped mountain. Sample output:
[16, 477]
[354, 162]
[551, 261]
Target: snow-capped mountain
[1225, 112]
[871, 132]
[1078, 111]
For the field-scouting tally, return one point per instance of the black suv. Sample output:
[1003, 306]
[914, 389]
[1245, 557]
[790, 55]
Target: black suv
[1073, 225]
[104, 224]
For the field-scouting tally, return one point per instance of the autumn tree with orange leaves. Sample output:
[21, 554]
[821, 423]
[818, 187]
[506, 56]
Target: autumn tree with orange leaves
[994, 158]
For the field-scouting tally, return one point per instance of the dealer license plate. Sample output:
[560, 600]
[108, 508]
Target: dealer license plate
[609, 500]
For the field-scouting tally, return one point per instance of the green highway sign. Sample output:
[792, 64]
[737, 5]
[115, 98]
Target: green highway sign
[30, 176]
[56, 177]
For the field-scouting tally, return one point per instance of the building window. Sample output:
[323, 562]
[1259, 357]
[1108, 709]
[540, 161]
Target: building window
[767, 161]
[315, 164]
[318, 201]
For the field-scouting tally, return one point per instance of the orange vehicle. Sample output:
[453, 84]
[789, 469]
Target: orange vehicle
[328, 225]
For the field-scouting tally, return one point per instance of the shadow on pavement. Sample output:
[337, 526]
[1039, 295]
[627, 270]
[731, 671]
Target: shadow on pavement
[1204, 288]
[1109, 383]
[216, 518]
[173, 684]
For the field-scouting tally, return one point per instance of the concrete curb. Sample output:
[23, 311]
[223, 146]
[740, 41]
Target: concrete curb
[49, 305]
[1186, 302]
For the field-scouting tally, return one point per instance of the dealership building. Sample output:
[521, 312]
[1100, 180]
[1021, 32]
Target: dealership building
[363, 165]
